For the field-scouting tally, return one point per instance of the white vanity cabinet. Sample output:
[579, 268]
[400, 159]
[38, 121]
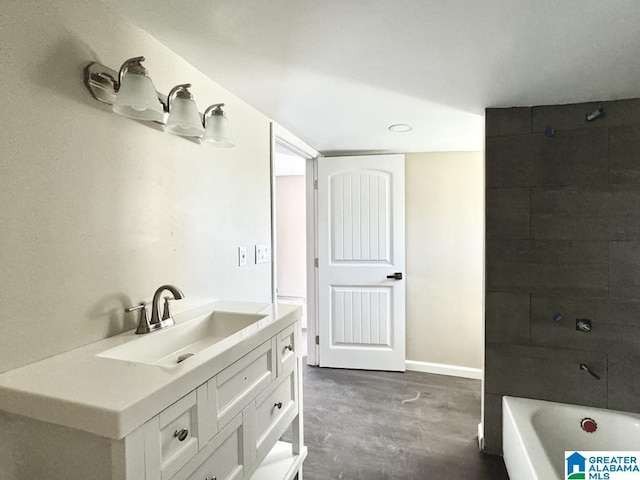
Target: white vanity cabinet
[226, 428]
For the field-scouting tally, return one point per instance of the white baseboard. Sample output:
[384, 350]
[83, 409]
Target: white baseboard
[443, 369]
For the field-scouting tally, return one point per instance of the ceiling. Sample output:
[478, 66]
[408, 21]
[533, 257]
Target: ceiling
[338, 73]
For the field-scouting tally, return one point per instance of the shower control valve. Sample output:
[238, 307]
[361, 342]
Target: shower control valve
[583, 324]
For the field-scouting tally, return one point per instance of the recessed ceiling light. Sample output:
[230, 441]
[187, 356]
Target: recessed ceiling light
[400, 128]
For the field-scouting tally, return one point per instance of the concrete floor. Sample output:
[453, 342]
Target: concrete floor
[382, 425]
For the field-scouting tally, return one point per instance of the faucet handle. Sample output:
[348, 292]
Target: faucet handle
[140, 306]
[143, 320]
[166, 313]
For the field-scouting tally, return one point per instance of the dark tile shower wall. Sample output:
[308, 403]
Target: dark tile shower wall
[562, 237]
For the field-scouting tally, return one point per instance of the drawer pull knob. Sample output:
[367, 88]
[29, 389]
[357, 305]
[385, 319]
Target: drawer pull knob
[278, 404]
[181, 434]
[289, 347]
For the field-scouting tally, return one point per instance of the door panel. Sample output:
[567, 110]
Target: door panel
[359, 216]
[360, 316]
[360, 243]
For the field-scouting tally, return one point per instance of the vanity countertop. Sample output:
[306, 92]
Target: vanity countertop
[111, 397]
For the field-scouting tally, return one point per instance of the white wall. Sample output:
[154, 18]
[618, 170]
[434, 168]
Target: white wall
[445, 231]
[99, 210]
[291, 218]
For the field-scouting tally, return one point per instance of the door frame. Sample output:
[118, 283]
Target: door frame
[313, 320]
[281, 136]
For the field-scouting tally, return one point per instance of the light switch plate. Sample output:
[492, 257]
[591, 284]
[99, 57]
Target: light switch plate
[263, 254]
[242, 256]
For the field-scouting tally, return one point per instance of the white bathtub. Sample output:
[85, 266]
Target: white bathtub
[536, 435]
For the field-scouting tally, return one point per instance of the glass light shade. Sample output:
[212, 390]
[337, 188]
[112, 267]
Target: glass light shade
[137, 99]
[218, 132]
[184, 118]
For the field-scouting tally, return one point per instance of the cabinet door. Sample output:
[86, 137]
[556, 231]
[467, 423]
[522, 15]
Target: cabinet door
[171, 438]
[287, 348]
[270, 415]
[221, 459]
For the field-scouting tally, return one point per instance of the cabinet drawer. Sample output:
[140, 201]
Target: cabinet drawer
[237, 385]
[222, 458]
[287, 348]
[172, 436]
[274, 409]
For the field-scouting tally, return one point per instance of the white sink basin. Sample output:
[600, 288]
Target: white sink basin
[168, 348]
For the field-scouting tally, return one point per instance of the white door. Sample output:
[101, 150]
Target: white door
[361, 262]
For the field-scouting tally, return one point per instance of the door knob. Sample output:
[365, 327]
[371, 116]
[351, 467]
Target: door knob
[396, 276]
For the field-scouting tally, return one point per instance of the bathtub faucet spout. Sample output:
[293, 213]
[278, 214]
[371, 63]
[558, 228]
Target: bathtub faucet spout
[584, 366]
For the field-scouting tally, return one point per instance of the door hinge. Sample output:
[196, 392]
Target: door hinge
[317, 339]
[315, 262]
[315, 184]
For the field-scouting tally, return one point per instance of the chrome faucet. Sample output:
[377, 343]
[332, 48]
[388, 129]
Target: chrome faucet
[167, 319]
[156, 323]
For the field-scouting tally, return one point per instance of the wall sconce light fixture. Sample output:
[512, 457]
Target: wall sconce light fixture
[136, 95]
[184, 118]
[131, 93]
[217, 131]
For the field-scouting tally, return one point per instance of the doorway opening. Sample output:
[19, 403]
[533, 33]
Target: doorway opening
[290, 230]
[293, 275]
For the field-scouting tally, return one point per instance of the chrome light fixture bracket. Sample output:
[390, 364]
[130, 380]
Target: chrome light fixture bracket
[179, 91]
[133, 65]
[104, 82]
[101, 82]
[212, 110]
